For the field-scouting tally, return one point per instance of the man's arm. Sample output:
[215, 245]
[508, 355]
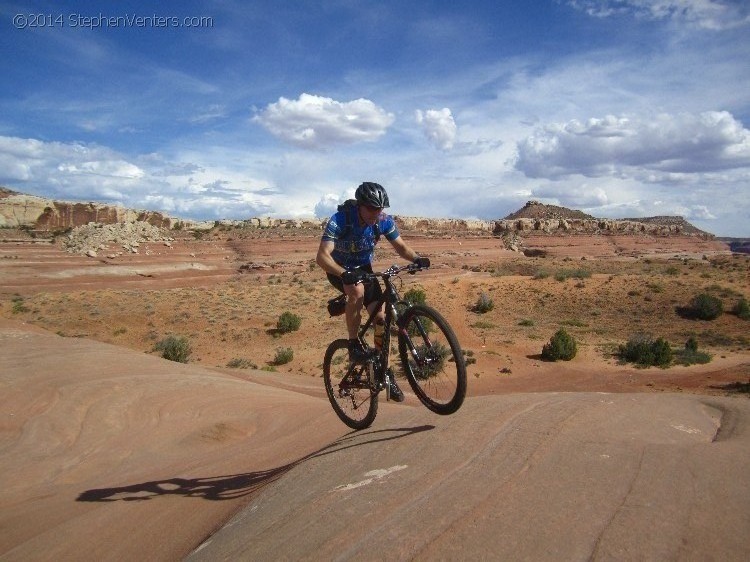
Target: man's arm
[403, 249]
[325, 260]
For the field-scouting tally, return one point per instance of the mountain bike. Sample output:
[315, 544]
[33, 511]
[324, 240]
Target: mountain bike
[430, 355]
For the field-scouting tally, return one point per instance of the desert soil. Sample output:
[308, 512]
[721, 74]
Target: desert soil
[225, 293]
[74, 329]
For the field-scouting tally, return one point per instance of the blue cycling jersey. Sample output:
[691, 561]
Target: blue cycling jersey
[353, 244]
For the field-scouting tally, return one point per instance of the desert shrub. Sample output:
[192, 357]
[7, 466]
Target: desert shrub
[561, 346]
[19, 306]
[526, 322]
[283, 356]
[541, 274]
[239, 363]
[690, 354]
[484, 304]
[742, 309]
[415, 295]
[646, 352]
[288, 322]
[655, 287]
[174, 348]
[704, 307]
[565, 274]
[469, 358]
[691, 344]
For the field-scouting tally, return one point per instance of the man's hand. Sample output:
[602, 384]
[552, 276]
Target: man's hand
[351, 277]
[422, 262]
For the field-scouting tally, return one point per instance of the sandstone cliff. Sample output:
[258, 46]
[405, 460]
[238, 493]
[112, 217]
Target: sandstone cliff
[41, 214]
[38, 213]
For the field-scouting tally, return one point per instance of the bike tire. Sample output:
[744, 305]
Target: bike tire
[432, 359]
[348, 387]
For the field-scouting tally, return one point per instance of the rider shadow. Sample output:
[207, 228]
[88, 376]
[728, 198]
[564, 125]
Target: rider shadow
[211, 488]
[228, 487]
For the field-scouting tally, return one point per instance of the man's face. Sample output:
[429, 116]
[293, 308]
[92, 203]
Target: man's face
[369, 214]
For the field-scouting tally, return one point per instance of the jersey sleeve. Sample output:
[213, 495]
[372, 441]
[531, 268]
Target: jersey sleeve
[332, 230]
[388, 228]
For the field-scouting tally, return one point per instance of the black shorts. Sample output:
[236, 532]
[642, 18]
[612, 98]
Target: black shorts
[373, 290]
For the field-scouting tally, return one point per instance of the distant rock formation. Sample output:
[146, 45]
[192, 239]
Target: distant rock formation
[41, 214]
[91, 238]
[537, 210]
[536, 216]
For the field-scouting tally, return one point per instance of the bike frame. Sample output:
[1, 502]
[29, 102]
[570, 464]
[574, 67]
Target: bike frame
[390, 299]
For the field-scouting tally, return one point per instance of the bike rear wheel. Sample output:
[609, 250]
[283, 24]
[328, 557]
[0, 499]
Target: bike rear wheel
[432, 359]
[348, 387]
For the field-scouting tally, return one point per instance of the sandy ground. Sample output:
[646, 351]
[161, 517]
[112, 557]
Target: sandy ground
[110, 452]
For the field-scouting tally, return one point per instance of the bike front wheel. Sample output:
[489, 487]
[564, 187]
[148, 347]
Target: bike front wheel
[432, 359]
[348, 387]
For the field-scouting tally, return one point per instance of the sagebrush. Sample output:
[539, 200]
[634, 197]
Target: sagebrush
[284, 355]
[174, 348]
[562, 346]
[288, 322]
[645, 351]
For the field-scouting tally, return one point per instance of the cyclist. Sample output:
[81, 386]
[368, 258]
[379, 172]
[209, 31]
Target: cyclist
[346, 252]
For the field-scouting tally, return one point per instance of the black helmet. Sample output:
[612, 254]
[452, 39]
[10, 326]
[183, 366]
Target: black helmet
[372, 194]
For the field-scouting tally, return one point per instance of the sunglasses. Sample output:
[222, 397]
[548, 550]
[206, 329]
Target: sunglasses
[372, 209]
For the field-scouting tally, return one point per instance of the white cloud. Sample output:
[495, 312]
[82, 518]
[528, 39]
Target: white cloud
[56, 163]
[438, 126]
[707, 14]
[76, 171]
[318, 122]
[107, 168]
[328, 205]
[637, 146]
[700, 212]
[575, 196]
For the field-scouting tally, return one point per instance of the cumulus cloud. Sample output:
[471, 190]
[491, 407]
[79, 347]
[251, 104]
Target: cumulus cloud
[327, 205]
[700, 212]
[581, 196]
[651, 149]
[76, 171]
[438, 126]
[707, 14]
[106, 168]
[78, 168]
[318, 122]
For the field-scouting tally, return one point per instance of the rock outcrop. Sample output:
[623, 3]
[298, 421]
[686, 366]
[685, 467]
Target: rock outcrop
[40, 214]
[127, 237]
[19, 210]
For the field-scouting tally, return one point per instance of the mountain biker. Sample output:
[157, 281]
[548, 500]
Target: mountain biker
[346, 252]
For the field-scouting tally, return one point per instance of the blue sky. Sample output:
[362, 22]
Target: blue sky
[231, 109]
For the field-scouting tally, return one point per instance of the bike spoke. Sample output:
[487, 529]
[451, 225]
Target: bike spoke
[432, 360]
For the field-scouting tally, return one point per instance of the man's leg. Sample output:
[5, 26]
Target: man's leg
[355, 297]
[379, 323]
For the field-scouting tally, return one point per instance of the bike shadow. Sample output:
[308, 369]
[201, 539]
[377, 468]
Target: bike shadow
[228, 487]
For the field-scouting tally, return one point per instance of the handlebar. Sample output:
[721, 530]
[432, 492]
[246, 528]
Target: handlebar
[394, 270]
